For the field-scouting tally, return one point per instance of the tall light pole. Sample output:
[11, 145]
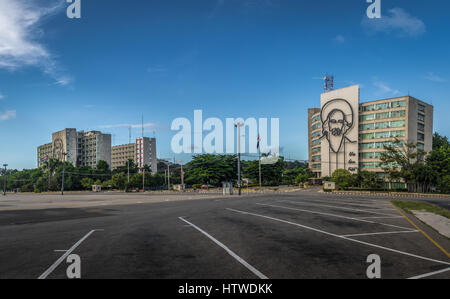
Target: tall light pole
[143, 179]
[64, 168]
[181, 174]
[238, 126]
[4, 180]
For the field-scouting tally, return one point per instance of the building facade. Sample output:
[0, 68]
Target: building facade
[143, 152]
[78, 148]
[345, 134]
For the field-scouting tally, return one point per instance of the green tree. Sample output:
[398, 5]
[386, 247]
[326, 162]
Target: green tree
[406, 162]
[87, 183]
[343, 178]
[271, 175]
[440, 141]
[211, 169]
[119, 181]
[438, 162]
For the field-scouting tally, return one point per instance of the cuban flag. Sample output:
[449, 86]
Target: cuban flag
[259, 141]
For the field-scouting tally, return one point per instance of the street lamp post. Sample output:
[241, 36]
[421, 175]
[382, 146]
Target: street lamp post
[238, 126]
[64, 168]
[181, 174]
[4, 180]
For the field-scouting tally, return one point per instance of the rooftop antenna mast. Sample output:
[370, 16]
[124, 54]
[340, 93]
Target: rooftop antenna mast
[142, 125]
[329, 82]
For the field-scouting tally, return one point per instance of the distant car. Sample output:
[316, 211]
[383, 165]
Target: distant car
[204, 187]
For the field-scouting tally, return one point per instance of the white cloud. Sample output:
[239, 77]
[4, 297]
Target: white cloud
[8, 114]
[20, 31]
[435, 78]
[397, 22]
[2, 96]
[384, 88]
[339, 39]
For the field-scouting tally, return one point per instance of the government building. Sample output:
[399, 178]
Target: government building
[142, 153]
[346, 134]
[88, 148]
[76, 147]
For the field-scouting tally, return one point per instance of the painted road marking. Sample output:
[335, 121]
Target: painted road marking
[378, 205]
[381, 233]
[381, 217]
[430, 274]
[234, 255]
[340, 237]
[64, 256]
[424, 233]
[336, 207]
[335, 215]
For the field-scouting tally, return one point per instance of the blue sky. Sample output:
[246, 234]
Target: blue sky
[230, 58]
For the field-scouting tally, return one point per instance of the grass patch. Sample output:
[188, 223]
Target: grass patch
[410, 206]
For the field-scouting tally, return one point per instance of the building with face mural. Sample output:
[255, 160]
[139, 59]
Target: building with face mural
[76, 147]
[347, 134]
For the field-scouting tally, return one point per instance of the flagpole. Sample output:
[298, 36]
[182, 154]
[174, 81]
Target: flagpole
[260, 180]
[259, 153]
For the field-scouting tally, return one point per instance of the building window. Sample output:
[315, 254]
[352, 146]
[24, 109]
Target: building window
[316, 142]
[315, 119]
[398, 134]
[367, 136]
[421, 108]
[370, 155]
[420, 137]
[383, 115]
[421, 146]
[382, 106]
[367, 127]
[368, 108]
[316, 134]
[383, 125]
[421, 127]
[316, 158]
[398, 124]
[397, 114]
[398, 104]
[368, 117]
[421, 117]
[380, 135]
[316, 126]
[369, 165]
[316, 150]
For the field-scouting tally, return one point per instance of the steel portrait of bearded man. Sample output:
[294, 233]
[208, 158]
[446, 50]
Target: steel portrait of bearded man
[337, 120]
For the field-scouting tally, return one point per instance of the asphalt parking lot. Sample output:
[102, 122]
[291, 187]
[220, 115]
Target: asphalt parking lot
[302, 235]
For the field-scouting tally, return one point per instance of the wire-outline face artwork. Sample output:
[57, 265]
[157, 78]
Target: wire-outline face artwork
[337, 120]
[58, 149]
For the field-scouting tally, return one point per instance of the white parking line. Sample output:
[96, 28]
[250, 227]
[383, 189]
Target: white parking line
[381, 217]
[336, 207]
[381, 233]
[64, 256]
[375, 206]
[430, 274]
[234, 255]
[340, 237]
[335, 215]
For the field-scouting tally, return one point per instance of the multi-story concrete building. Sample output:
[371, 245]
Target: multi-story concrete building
[143, 152]
[79, 148]
[120, 154]
[344, 134]
[93, 147]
